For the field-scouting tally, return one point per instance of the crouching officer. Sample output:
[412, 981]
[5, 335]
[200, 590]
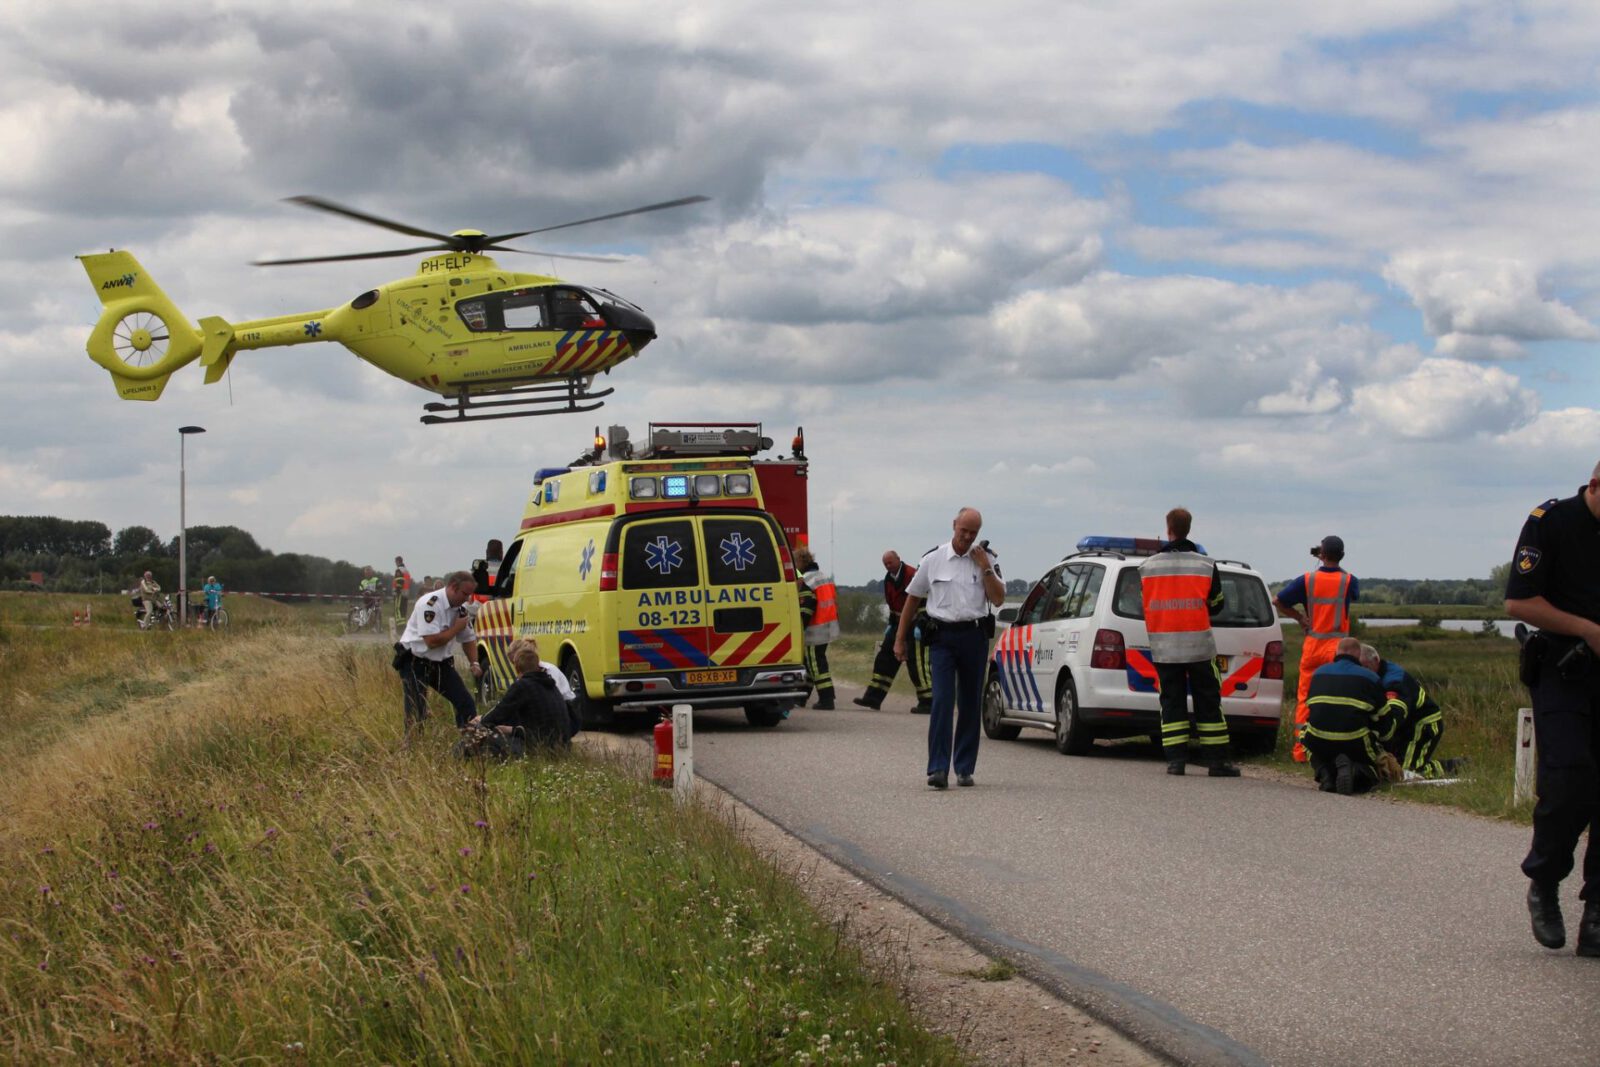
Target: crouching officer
[425, 653]
[1415, 720]
[1346, 713]
[1555, 585]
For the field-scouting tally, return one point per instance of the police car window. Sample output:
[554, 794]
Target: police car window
[740, 551]
[1033, 606]
[1058, 592]
[1128, 603]
[1246, 603]
[1087, 592]
[524, 310]
[660, 555]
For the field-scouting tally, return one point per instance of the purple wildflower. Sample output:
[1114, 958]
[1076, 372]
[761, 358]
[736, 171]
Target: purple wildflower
[466, 889]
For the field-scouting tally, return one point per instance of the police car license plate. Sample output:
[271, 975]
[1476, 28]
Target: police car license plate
[710, 677]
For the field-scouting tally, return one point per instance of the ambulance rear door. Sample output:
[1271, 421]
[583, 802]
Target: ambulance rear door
[753, 612]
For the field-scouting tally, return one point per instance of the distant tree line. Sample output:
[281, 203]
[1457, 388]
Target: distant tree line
[79, 556]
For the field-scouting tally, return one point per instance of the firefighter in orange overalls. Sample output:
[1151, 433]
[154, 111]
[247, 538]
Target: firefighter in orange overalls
[819, 614]
[1320, 602]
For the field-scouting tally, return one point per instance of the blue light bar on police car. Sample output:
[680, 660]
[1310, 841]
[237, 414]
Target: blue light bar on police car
[1132, 546]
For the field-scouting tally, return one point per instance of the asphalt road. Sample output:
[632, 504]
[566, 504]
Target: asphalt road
[1250, 920]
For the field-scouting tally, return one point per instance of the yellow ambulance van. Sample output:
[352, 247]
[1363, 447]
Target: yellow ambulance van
[653, 580]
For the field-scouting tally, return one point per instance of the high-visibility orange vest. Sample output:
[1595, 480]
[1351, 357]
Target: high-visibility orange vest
[1326, 604]
[1174, 587]
[827, 604]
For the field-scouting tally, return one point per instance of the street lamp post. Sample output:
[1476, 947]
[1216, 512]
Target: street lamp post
[183, 528]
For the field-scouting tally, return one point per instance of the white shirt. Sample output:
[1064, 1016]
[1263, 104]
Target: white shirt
[563, 686]
[951, 584]
[433, 614]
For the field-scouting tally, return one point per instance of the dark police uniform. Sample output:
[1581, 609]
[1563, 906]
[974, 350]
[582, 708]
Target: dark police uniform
[1558, 558]
[1346, 714]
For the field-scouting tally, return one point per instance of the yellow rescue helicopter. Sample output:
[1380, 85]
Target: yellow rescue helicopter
[497, 344]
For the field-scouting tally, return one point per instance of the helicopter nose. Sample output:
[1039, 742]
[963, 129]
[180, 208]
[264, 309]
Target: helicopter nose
[635, 325]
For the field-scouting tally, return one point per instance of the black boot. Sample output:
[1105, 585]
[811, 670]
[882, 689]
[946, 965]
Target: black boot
[872, 699]
[1223, 770]
[1589, 929]
[1175, 766]
[1544, 906]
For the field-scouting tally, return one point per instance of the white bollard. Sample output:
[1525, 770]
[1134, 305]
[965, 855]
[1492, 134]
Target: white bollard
[683, 753]
[1527, 757]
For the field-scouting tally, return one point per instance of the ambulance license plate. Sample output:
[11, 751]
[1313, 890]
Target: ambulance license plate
[710, 677]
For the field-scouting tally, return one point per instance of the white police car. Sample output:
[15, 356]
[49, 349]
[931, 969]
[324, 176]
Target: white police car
[1076, 658]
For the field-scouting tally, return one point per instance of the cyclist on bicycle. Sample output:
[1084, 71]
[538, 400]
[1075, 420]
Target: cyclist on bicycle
[371, 589]
[213, 594]
[145, 593]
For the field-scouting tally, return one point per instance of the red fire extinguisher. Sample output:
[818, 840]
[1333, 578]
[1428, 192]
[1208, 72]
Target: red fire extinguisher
[663, 746]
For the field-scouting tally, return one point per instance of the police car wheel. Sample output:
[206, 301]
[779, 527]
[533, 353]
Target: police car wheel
[1073, 738]
[994, 706]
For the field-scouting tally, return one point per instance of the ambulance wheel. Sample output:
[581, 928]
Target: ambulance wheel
[489, 688]
[590, 712]
[1073, 738]
[764, 714]
[994, 706]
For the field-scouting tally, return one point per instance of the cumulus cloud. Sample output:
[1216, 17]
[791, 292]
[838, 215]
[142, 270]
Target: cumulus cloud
[1463, 297]
[1444, 399]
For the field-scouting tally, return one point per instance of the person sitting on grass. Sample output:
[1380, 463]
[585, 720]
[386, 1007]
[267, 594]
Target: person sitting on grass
[532, 713]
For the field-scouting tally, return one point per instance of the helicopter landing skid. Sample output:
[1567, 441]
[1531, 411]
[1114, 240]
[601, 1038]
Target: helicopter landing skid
[555, 398]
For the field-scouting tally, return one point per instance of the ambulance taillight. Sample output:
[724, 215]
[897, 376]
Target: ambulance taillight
[1110, 652]
[788, 562]
[608, 572]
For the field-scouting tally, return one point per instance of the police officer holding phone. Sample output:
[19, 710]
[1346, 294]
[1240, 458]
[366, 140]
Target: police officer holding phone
[1555, 585]
[959, 582]
[425, 652]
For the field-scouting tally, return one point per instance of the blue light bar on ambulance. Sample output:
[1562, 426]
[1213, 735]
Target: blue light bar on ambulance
[1132, 546]
[675, 487]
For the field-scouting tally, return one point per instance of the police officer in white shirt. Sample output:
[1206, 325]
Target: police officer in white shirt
[959, 582]
[426, 650]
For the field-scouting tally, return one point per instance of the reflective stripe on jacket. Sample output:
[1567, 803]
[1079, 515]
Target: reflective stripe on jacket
[823, 626]
[1176, 590]
[1327, 603]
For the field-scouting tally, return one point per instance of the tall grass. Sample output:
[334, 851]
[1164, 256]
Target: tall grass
[248, 865]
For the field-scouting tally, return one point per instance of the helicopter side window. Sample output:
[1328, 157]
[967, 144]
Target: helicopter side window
[573, 310]
[524, 311]
[474, 314]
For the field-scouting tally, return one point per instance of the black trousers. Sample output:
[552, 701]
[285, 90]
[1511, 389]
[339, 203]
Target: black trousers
[1363, 756]
[885, 665]
[418, 675]
[1564, 712]
[1178, 681]
[821, 677]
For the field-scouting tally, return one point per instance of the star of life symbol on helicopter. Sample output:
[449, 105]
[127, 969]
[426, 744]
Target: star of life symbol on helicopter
[738, 551]
[313, 328]
[663, 556]
[587, 563]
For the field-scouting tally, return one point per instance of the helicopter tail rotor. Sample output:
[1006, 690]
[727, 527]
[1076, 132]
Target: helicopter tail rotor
[141, 336]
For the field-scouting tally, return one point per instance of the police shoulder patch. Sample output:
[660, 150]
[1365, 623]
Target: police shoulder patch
[427, 616]
[1527, 559]
[1538, 512]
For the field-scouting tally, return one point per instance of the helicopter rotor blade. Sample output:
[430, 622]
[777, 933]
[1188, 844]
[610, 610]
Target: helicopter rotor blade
[355, 255]
[555, 255]
[681, 202]
[319, 204]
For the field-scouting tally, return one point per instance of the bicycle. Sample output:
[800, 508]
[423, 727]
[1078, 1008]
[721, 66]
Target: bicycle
[159, 614]
[217, 619]
[364, 616]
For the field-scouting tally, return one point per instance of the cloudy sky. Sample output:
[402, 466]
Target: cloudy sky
[1305, 268]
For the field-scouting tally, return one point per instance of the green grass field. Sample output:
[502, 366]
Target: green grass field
[216, 849]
